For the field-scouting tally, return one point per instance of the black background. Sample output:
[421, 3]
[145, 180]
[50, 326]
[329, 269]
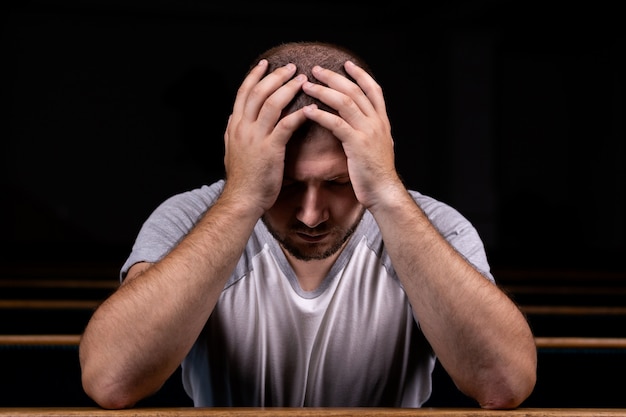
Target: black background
[512, 112]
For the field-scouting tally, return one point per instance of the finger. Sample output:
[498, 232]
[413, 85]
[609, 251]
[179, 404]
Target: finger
[226, 135]
[284, 129]
[368, 85]
[339, 127]
[248, 83]
[339, 83]
[342, 103]
[272, 109]
[264, 88]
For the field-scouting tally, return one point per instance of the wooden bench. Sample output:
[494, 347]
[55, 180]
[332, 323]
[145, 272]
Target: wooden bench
[312, 412]
[541, 342]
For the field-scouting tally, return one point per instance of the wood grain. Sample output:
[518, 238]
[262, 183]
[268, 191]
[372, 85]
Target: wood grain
[313, 412]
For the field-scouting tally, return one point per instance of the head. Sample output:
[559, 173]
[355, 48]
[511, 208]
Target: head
[316, 211]
[305, 55]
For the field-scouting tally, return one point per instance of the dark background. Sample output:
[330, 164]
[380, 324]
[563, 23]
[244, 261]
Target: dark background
[513, 112]
[510, 111]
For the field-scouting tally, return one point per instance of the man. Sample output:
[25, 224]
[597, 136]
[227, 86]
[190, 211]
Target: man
[311, 276]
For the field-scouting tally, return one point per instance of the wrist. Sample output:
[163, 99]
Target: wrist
[391, 197]
[240, 203]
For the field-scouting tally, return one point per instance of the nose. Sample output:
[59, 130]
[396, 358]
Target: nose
[313, 210]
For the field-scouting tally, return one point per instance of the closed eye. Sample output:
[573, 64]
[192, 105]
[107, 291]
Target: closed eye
[287, 182]
[340, 181]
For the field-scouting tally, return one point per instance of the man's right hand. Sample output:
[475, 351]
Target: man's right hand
[256, 135]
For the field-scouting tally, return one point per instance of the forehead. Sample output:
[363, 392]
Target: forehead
[318, 155]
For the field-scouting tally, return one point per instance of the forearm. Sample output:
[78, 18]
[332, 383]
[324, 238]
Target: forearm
[479, 335]
[138, 337]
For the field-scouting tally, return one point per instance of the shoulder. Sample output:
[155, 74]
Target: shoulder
[169, 222]
[443, 216]
[432, 206]
[456, 229]
[193, 201]
[446, 219]
[180, 212]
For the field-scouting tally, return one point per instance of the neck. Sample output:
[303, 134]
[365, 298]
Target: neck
[310, 274]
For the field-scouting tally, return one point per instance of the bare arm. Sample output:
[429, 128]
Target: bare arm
[138, 337]
[478, 334]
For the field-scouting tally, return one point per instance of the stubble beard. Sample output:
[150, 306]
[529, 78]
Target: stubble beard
[312, 251]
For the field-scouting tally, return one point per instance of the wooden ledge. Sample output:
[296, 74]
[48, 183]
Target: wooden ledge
[581, 342]
[574, 310]
[49, 304]
[541, 342]
[85, 304]
[313, 412]
[59, 283]
[39, 340]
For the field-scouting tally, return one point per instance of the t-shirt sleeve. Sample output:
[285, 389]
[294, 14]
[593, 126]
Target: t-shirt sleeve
[169, 223]
[457, 230]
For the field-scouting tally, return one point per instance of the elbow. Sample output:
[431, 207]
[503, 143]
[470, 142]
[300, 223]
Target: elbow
[505, 399]
[116, 390]
[114, 385]
[107, 395]
[111, 402]
[509, 391]
[104, 387]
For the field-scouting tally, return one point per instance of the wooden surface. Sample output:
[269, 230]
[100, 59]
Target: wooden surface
[581, 342]
[39, 339]
[49, 304]
[313, 412]
[541, 342]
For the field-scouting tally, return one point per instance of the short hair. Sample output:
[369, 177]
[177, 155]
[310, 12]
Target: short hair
[305, 55]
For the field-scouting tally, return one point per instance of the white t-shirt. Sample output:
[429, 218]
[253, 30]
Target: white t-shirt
[352, 342]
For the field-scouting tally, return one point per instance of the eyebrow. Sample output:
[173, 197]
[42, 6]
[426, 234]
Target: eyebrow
[333, 178]
[339, 177]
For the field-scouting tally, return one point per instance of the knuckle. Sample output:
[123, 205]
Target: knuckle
[271, 104]
[347, 102]
[354, 90]
[256, 91]
[338, 122]
[242, 90]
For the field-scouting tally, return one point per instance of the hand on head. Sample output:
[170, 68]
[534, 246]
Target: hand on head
[256, 135]
[361, 124]
[274, 101]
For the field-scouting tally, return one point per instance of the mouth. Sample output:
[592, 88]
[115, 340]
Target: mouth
[312, 238]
